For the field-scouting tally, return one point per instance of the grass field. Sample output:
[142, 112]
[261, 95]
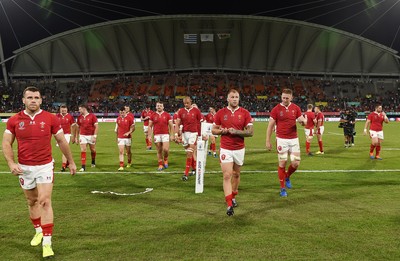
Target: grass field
[343, 206]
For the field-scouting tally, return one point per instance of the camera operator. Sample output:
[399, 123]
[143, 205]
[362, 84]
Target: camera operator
[347, 122]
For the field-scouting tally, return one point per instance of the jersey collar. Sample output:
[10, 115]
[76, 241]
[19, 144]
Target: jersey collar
[290, 103]
[32, 117]
[233, 111]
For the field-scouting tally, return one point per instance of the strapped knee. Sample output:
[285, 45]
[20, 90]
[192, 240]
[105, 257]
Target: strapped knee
[283, 156]
[294, 158]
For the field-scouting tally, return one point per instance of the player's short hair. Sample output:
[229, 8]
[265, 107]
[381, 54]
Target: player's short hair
[377, 105]
[31, 89]
[287, 91]
[83, 105]
[187, 98]
[233, 90]
[309, 106]
[63, 106]
[160, 102]
[122, 108]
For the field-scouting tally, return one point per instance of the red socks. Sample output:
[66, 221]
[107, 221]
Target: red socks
[148, 143]
[83, 158]
[48, 229]
[371, 149]
[36, 222]
[188, 165]
[378, 150]
[212, 147]
[308, 145]
[228, 200]
[321, 146]
[193, 163]
[234, 193]
[281, 176]
[290, 171]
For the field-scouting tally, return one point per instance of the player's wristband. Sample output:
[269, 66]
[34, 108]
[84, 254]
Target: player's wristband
[95, 136]
[365, 130]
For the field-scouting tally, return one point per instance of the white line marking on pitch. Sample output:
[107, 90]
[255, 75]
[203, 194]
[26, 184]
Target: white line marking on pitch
[218, 172]
[147, 190]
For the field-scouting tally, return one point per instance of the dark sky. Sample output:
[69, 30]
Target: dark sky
[25, 21]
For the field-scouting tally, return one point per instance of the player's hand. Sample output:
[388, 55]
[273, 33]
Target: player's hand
[204, 137]
[224, 131]
[72, 168]
[16, 169]
[365, 132]
[232, 131]
[268, 145]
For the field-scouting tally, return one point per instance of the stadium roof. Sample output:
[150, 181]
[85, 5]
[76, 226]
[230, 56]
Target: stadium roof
[223, 42]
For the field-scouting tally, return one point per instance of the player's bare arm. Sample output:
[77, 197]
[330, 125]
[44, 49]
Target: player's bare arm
[367, 123]
[171, 130]
[268, 135]
[177, 132]
[217, 130]
[131, 130]
[385, 117]
[77, 134]
[96, 130]
[302, 120]
[8, 140]
[73, 132]
[247, 132]
[150, 131]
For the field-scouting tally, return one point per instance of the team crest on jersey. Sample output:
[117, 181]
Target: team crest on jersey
[281, 113]
[225, 117]
[21, 125]
[42, 125]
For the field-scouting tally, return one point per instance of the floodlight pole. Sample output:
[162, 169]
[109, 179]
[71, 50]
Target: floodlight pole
[3, 63]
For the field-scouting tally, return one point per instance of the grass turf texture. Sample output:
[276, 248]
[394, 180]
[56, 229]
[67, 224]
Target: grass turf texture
[344, 206]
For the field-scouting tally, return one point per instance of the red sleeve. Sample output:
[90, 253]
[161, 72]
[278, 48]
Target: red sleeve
[249, 119]
[55, 124]
[298, 112]
[11, 125]
[217, 120]
[273, 114]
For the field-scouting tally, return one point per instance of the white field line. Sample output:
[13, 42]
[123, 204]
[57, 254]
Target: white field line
[219, 172]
